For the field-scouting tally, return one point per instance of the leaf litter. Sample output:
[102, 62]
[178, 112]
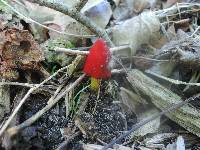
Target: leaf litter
[154, 65]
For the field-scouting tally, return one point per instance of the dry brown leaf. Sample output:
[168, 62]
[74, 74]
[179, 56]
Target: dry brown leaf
[18, 50]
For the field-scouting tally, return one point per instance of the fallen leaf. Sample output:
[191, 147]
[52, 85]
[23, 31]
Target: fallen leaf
[18, 50]
[135, 32]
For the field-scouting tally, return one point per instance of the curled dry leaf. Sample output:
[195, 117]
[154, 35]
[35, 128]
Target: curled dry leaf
[18, 50]
[135, 32]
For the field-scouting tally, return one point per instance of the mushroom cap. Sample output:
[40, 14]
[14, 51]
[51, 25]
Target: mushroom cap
[97, 61]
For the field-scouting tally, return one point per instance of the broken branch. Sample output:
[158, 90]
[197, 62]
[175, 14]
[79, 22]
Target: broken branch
[78, 52]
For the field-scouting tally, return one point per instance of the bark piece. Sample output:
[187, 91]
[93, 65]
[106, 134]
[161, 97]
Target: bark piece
[162, 98]
[18, 50]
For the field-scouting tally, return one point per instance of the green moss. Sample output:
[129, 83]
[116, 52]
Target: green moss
[59, 42]
[55, 60]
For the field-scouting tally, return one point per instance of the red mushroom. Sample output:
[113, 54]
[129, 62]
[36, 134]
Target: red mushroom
[97, 62]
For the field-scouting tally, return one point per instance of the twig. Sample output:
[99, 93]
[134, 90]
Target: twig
[150, 59]
[118, 71]
[14, 130]
[61, 7]
[18, 84]
[70, 51]
[23, 84]
[197, 29]
[138, 125]
[24, 99]
[56, 93]
[177, 82]
[171, 10]
[78, 52]
[33, 21]
[66, 142]
[118, 48]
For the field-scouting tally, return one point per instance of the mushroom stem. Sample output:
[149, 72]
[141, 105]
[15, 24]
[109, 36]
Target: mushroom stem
[95, 84]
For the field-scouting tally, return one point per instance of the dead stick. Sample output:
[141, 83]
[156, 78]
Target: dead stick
[23, 84]
[138, 125]
[18, 84]
[78, 52]
[70, 51]
[14, 130]
[56, 92]
[24, 99]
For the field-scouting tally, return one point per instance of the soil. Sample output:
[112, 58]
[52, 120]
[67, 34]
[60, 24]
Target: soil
[102, 120]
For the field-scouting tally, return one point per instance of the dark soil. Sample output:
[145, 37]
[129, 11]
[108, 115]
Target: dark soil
[102, 120]
[45, 133]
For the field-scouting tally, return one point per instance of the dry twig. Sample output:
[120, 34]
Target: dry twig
[79, 52]
[70, 51]
[174, 10]
[22, 84]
